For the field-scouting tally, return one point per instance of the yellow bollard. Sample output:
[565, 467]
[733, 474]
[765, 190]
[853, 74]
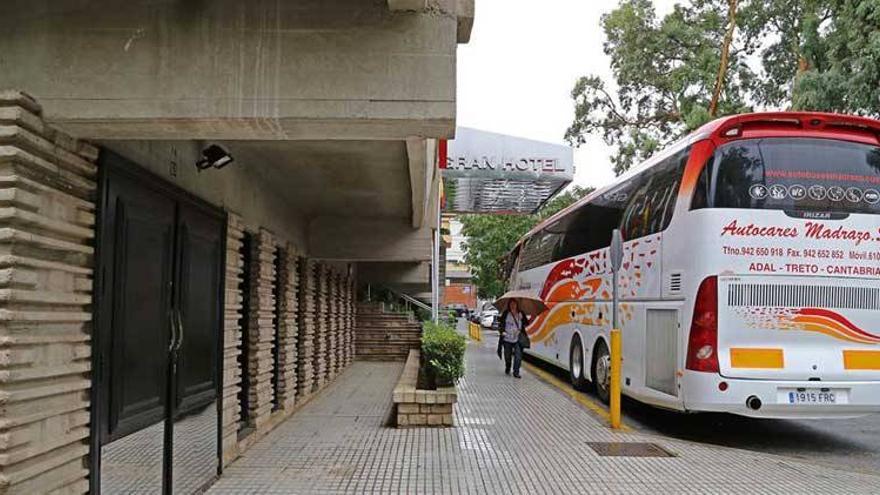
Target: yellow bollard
[474, 331]
[616, 359]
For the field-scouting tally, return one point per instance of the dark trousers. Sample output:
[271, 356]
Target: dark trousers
[512, 350]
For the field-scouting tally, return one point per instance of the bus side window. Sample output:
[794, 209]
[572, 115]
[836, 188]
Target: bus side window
[511, 267]
[539, 250]
[633, 219]
[701, 191]
[652, 204]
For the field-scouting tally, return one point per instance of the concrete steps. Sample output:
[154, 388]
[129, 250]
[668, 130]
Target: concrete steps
[381, 336]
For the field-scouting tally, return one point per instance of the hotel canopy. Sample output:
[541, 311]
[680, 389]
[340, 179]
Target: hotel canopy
[485, 172]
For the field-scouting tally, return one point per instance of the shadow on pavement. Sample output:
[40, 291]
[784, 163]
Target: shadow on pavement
[851, 442]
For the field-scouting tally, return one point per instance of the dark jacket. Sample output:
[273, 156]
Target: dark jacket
[523, 319]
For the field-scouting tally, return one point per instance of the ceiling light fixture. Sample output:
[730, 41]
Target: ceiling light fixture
[214, 156]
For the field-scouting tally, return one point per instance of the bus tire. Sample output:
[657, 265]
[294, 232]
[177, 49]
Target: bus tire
[576, 364]
[601, 371]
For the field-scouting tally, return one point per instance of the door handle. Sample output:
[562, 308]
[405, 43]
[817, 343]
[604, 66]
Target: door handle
[173, 331]
[180, 332]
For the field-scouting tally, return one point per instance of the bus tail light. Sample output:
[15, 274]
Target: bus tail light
[702, 354]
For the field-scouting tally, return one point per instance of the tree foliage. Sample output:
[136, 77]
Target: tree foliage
[845, 73]
[709, 58]
[490, 237]
[665, 73]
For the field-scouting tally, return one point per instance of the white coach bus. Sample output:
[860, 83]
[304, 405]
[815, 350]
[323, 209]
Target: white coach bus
[751, 274]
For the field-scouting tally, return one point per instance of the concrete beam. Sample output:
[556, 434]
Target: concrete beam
[432, 220]
[412, 5]
[352, 239]
[416, 155]
[465, 17]
[421, 154]
[419, 291]
[395, 274]
[422, 296]
[463, 10]
[233, 70]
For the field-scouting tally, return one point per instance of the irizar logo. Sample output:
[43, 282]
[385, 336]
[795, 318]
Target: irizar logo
[816, 215]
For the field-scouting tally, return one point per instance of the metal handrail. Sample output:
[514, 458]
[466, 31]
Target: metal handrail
[406, 297]
[412, 300]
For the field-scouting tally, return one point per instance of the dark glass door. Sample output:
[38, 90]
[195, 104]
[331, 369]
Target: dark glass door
[198, 306]
[200, 241]
[159, 335]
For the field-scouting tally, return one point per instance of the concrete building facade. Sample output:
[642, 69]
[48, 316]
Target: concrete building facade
[158, 319]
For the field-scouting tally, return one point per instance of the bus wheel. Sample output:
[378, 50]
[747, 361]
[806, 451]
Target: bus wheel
[576, 364]
[602, 371]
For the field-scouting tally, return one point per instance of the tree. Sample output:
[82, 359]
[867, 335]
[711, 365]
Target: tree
[725, 58]
[790, 33]
[849, 78]
[490, 237]
[672, 75]
[711, 58]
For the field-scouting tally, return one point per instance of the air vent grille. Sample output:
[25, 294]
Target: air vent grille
[674, 286]
[803, 296]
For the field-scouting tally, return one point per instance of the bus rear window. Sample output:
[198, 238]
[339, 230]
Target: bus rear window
[796, 174]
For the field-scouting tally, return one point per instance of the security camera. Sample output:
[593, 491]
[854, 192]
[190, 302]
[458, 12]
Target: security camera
[214, 156]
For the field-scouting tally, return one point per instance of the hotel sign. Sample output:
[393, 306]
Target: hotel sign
[533, 164]
[489, 172]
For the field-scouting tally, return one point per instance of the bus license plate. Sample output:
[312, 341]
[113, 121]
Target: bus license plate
[812, 397]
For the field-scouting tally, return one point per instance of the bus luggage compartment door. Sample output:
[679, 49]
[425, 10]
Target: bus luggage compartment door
[798, 328]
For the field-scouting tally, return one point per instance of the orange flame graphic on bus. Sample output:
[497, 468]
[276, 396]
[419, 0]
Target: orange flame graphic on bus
[828, 323]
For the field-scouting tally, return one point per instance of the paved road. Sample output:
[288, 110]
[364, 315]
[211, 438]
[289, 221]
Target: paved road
[854, 443]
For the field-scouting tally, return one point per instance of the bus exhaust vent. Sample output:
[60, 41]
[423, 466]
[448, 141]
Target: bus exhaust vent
[803, 296]
[674, 283]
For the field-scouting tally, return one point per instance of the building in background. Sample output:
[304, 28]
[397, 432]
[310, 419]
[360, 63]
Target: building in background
[458, 290]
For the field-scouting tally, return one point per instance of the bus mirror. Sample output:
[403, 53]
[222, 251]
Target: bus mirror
[616, 250]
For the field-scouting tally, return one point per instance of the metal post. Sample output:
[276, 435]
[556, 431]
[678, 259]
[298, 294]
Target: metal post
[435, 268]
[616, 255]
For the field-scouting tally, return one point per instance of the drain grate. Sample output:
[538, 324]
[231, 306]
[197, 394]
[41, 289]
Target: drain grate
[629, 449]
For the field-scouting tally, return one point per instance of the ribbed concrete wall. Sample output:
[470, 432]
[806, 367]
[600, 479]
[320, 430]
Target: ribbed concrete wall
[288, 281]
[233, 307]
[47, 221]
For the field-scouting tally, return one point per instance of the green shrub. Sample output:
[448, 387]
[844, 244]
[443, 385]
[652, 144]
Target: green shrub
[442, 354]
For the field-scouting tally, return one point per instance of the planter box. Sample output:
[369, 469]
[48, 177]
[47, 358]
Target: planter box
[415, 407]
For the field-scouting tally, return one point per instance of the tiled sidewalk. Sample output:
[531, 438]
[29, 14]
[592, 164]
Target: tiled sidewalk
[513, 436]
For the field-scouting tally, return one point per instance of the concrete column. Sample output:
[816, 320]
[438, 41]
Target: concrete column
[306, 330]
[333, 320]
[350, 298]
[321, 350]
[288, 281]
[261, 331]
[47, 230]
[231, 408]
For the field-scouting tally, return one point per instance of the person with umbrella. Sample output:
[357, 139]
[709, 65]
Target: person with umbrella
[512, 335]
